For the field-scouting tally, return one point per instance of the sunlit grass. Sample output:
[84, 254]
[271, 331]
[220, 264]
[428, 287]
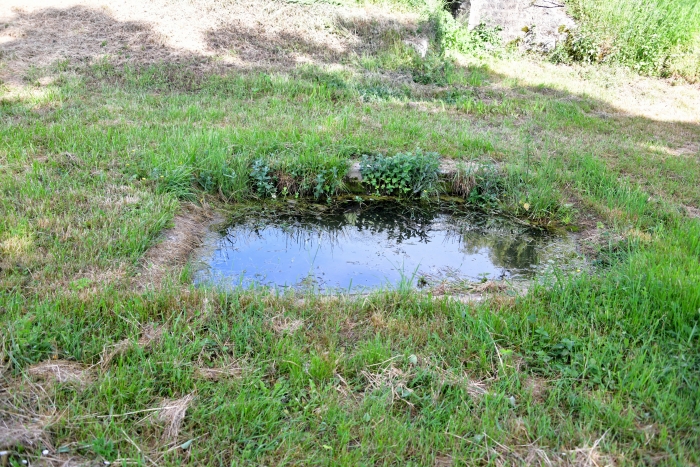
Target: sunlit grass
[92, 174]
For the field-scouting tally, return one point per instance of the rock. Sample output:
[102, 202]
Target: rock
[538, 25]
[419, 44]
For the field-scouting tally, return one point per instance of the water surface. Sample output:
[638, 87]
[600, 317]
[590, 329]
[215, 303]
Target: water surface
[357, 246]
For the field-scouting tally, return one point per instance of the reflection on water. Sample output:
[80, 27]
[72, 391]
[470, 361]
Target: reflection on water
[368, 245]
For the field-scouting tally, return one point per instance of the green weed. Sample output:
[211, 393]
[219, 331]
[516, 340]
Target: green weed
[403, 174]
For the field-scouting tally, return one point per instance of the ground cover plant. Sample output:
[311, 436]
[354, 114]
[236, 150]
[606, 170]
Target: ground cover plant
[115, 156]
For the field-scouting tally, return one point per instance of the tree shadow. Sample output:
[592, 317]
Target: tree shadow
[83, 35]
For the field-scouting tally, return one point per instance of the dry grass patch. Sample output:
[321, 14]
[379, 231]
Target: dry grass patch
[171, 413]
[285, 325]
[61, 371]
[232, 370]
[537, 387]
[389, 377]
[16, 433]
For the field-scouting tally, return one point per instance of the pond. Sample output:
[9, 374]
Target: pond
[361, 245]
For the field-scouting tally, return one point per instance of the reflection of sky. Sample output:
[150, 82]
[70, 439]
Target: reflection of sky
[348, 258]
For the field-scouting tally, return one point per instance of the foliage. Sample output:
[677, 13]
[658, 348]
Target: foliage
[435, 69]
[451, 35]
[262, 178]
[658, 37]
[395, 377]
[481, 184]
[223, 175]
[403, 174]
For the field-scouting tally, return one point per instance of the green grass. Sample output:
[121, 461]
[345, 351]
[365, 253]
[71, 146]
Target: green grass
[659, 37]
[599, 365]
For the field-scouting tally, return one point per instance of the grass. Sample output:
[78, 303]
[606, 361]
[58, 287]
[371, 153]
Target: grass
[660, 37]
[592, 368]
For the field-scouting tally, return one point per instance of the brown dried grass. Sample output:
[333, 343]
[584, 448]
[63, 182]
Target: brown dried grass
[61, 371]
[284, 325]
[15, 433]
[172, 414]
[150, 333]
[233, 370]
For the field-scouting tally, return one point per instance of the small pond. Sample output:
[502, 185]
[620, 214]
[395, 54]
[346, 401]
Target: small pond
[360, 245]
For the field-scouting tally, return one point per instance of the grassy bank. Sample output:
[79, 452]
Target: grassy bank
[660, 37]
[100, 361]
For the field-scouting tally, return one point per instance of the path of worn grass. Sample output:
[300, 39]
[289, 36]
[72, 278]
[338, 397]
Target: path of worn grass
[597, 368]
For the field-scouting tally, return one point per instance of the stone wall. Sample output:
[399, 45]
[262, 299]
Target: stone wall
[538, 23]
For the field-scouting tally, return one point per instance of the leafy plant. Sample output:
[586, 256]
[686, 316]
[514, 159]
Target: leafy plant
[481, 185]
[451, 35]
[434, 69]
[263, 181]
[306, 175]
[404, 174]
[657, 37]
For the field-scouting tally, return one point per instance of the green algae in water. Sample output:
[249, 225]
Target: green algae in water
[357, 246]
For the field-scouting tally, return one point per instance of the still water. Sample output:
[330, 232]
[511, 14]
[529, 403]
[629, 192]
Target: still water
[364, 245]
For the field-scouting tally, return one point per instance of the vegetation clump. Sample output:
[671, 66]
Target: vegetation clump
[403, 174]
[658, 37]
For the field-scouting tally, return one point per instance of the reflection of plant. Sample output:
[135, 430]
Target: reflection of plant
[404, 174]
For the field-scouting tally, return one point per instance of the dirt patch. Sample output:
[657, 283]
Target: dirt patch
[177, 243]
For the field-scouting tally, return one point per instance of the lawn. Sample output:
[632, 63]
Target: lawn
[114, 159]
